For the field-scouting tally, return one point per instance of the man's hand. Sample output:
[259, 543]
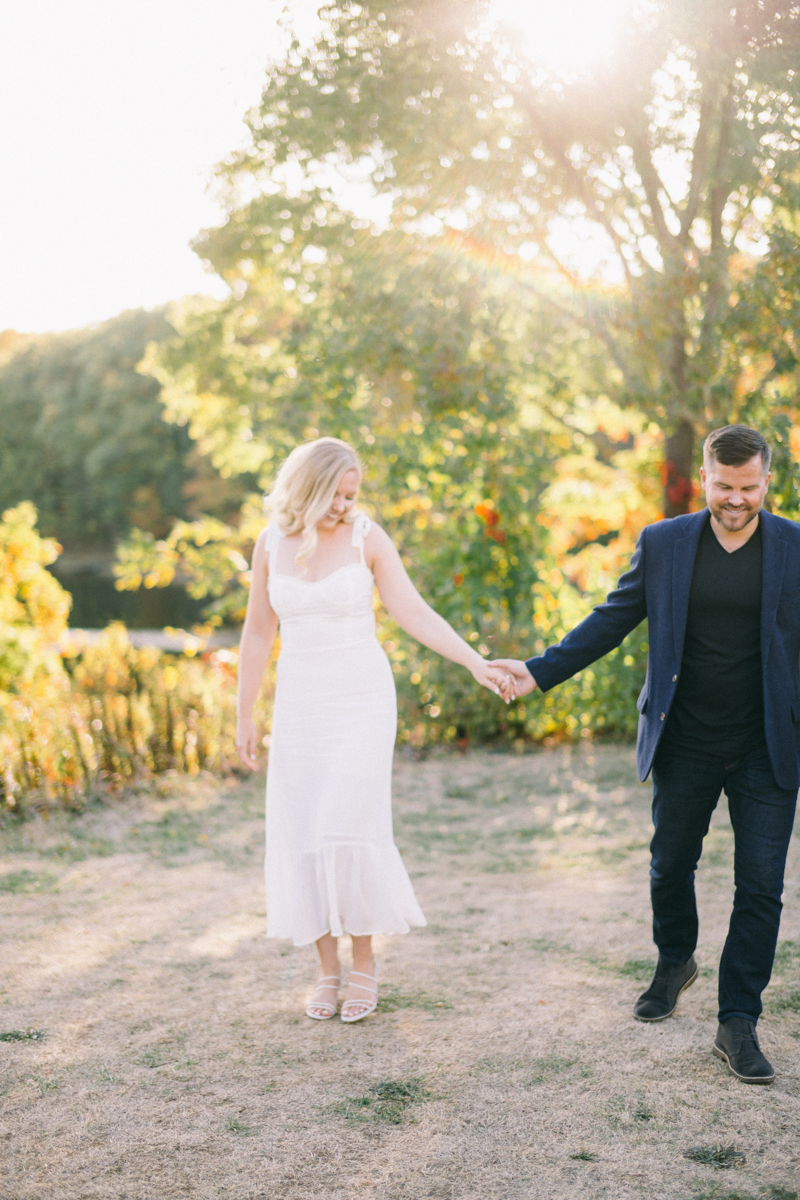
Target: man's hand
[518, 680]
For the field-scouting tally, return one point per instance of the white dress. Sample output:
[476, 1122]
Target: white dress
[331, 862]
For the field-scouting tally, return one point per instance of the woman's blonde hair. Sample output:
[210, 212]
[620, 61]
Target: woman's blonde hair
[305, 487]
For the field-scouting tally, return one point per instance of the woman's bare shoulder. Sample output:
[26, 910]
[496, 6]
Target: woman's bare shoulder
[260, 548]
[376, 536]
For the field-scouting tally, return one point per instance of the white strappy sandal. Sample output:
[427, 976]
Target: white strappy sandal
[351, 1004]
[330, 1009]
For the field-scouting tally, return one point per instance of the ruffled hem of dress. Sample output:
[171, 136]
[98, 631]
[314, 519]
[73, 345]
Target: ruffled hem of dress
[343, 887]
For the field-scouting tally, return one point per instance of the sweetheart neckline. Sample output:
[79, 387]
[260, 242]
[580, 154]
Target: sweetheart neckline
[314, 582]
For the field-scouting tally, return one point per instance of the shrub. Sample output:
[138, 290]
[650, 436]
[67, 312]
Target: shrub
[94, 717]
[439, 703]
[118, 714]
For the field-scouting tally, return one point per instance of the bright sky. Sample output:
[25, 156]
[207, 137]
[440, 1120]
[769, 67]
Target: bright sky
[569, 35]
[112, 116]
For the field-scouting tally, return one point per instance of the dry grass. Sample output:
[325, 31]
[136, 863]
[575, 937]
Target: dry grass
[504, 1063]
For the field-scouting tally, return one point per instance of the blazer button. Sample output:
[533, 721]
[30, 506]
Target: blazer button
[674, 678]
[663, 715]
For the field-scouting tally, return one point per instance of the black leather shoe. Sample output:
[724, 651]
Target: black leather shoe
[736, 1044]
[661, 998]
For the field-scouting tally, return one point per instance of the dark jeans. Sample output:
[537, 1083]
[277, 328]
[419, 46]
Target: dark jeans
[685, 793]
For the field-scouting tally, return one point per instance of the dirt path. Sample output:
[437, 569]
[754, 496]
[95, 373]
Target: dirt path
[175, 1060]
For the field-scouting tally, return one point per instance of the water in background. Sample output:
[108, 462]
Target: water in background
[96, 602]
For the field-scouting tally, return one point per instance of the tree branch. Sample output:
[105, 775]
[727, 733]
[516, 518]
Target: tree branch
[652, 184]
[699, 161]
[600, 328]
[718, 255]
[721, 184]
[590, 201]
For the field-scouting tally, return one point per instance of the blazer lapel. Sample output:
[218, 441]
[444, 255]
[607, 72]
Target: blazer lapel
[683, 556]
[773, 564]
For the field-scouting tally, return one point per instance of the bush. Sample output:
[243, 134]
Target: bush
[116, 715]
[439, 703]
[92, 718]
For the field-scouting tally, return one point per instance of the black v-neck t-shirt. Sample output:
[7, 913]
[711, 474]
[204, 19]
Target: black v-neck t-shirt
[718, 708]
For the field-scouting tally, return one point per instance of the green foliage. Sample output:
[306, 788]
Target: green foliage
[150, 712]
[721, 1157]
[47, 1083]
[428, 367]
[392, 998]
[33, 606]
[544, 1068]
[431, 407]
[461, 439]
[637, 968]
[787, 957]
[468, 137]
[234, 1125]
[26, 881]
[83, 436]
[84, 439]
[94, 717]
[387, 1101]
[438, 702]
[205, 553]
[115, 715]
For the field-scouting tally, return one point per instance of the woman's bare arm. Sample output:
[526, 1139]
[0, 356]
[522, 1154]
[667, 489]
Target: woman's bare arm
[404, 603]
[258, 634]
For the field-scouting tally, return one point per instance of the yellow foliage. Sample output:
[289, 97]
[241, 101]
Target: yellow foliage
[93, 717]
[794, 442]
[29, 595]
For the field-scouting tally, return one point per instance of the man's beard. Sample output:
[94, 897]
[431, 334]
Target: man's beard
[734, 520]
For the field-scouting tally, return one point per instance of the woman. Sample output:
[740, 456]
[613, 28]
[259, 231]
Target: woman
[331, 865]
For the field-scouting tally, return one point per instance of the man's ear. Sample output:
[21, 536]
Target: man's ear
[703, 478]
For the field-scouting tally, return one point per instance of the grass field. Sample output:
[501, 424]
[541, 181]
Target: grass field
[153, 1045]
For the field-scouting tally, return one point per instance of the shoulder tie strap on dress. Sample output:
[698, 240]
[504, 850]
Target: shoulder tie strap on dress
[361, 527]
[271, 543]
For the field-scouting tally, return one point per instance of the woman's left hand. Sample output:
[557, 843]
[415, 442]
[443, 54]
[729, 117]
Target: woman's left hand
[489, 676]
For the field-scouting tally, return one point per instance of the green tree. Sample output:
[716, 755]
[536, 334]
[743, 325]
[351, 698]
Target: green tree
[84, 438]
[676, 151]
[461, 390]
[419, 361]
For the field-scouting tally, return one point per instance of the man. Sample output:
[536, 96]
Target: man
[720, 709]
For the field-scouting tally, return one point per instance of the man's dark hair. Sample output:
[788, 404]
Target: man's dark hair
[734, 445]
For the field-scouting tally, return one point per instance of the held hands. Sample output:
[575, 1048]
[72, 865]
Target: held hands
[489, 676]
[516, 680]
[247, 743]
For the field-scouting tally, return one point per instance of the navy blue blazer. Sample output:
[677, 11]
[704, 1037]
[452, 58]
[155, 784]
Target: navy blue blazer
[657, 586]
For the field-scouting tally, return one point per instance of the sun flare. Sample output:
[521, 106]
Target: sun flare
[569, 36]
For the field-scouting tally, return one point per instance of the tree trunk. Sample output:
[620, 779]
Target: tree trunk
[678, 454]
